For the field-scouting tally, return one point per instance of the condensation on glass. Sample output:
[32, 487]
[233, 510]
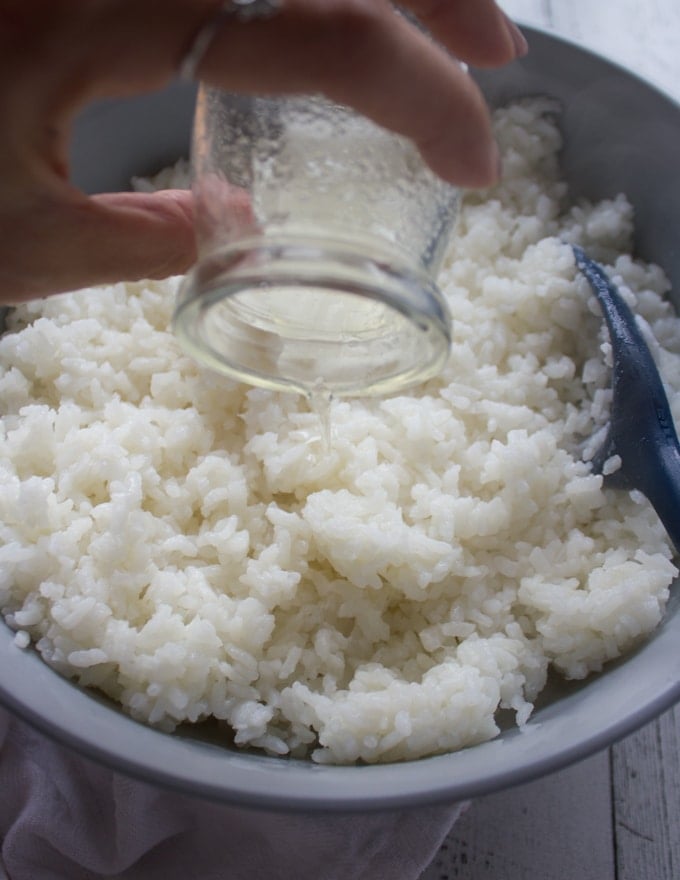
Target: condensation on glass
[319, 238]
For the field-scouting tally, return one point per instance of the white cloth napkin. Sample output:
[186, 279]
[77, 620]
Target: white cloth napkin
[63, 817]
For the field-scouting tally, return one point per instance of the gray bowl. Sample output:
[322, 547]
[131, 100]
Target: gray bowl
[621, 135]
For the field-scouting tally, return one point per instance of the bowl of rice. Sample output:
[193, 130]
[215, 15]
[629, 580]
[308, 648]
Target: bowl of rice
[430, 598]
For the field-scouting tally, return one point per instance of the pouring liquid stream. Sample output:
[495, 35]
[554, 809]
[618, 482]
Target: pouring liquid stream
[319, 398]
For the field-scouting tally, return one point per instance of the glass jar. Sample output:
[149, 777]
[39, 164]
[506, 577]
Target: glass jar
[319, 236]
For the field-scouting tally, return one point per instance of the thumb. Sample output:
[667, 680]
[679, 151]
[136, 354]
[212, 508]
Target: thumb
[84, 241]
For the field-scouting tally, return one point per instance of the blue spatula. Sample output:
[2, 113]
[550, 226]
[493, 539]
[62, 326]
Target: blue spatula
[641, 429]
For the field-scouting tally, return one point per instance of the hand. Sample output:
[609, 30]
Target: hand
[58, 55]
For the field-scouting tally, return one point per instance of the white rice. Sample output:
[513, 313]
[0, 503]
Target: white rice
[190, 546]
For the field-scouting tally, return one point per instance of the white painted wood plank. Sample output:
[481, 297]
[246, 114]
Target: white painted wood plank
[536, 12]
[555, 828]
[646, 779]
[642, 36]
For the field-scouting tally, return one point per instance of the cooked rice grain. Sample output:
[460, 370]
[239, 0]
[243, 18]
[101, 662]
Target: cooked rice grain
[192, 548]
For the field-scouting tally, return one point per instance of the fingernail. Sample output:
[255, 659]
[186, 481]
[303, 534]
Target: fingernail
[518, 39]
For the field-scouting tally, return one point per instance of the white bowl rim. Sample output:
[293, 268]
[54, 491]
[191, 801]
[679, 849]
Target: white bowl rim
[587, 719]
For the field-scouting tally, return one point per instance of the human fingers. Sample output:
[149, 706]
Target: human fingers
[71, 241]
[360, 52]
[367, 56]
[476, 31]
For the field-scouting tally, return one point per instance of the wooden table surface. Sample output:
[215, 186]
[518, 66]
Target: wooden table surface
[615, 816]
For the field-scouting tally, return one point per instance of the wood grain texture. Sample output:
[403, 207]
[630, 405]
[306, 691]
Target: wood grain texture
[555, 828]
[646, 792]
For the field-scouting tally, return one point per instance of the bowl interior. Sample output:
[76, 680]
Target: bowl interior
[621, 135]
